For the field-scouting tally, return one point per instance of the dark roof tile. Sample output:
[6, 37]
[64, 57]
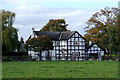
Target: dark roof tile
[89, 46]
[54, 35]
[66, 34]
[50, 34]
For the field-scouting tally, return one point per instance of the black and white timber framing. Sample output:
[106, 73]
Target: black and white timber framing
[70, 45]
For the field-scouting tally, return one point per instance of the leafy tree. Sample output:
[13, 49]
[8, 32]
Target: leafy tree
[9, 33]
[55, 25]
[118, 31]
[7, 19]
[113, 43]
[99, 27]
[39, 44]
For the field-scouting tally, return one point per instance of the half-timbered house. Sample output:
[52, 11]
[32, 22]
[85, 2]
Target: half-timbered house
[68, 45]
[94, 52]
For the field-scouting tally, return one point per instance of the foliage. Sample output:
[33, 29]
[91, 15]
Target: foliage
[100, 28]
[39, 44]
[55, 25]
[110, 57]
[113, 45]
[118, 31]
[7, 19]
[97, 25]
[60, 69]
[9, 33]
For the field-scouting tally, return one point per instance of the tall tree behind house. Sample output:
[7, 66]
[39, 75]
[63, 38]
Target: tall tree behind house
[55, 25]
[9, 33]
[99, 28]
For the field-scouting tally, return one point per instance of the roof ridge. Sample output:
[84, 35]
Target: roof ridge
[71, 33]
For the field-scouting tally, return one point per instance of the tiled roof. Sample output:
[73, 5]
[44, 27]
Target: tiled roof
[66, 34]
[54, 35]
[89, 46]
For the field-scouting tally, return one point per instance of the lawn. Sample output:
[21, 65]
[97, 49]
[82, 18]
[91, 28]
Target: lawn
[60, 69]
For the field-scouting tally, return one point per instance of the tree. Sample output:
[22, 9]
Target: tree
[9, 33]
[100, 25]
[39, 44]
[118, 31]
[97, 25]
[55, 25]
[7, 19]
[113, 45]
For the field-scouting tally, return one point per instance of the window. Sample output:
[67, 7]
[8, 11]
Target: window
[57, 43]
[88, 51]
[72, 43]
[76, 50]
[76, 43]
[68, 47]
[95, 48]
[76, 35]
[92, 48]
[72, 39]
[57, 47]
[98, 48]
[76, 47]
[80, 47]
[83, 47]
[95, 51]
[68, 43]
[80, 43]
[72, 47]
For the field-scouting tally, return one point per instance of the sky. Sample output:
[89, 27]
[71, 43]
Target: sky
[36, 13]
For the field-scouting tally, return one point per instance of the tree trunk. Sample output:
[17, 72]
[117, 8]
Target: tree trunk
[48, 56]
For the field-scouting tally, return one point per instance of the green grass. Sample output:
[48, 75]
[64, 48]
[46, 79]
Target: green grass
[60, 69]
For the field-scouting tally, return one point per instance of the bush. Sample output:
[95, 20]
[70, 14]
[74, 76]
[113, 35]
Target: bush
[16, 56]
[109, 57]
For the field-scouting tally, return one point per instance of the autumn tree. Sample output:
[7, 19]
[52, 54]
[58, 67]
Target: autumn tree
[55, 25]
[98, 26]
[9, 33]
[39, 44]
[114, 36]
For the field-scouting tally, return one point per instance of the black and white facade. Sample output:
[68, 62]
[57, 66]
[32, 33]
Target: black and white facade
[94, 51]
[69, 45]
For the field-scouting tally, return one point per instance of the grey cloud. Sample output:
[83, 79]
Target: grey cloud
[37, 17]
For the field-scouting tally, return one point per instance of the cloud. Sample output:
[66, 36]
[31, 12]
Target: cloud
[37, 16]
[36, 13]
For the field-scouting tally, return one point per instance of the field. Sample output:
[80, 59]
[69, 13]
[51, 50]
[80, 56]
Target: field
[60, 69]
